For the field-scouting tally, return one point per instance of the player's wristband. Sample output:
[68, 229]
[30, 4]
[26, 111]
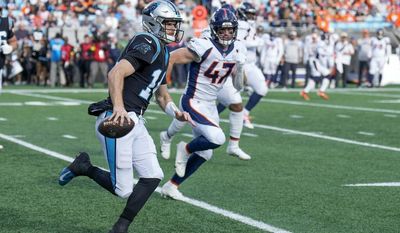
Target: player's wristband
[171, 108]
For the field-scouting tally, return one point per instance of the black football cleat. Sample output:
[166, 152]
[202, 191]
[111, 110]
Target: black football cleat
[121, 226]
[79, 167]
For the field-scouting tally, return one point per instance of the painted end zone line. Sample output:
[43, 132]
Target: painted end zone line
[229, 214]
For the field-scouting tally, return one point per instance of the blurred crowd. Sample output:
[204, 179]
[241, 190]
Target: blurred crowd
[75, 43]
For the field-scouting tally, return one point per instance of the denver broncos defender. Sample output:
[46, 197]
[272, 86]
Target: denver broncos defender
[139, 72]
[211, 60]
[228, 95]
[255, 78]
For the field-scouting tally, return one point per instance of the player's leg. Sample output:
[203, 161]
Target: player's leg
[256, 80]
[170, 189]
[314, 75]
[144, 160]
[373, 69]
[229, 96]
[211, 136]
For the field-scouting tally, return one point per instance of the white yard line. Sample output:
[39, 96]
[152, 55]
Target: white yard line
[371, 94]
[3, 119]
[314, 135]
[296, 116]
[366, 133]
[330, 138]
[386, 184]
[352, 108]
[299, 103]
[69, 136]
[229, 214]
[52, 118]
[390, 115]
[343, 116]
[250, 135]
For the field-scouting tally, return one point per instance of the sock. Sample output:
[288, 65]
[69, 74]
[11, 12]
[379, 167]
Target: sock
[102, 178]
[236, 124]
[200, 143]
[310, 86]
[324, 85]
[139, 196]
[380, 80]
[233, 142]
[253, 100]
[220, 108]
[194, 162]
[175, 127]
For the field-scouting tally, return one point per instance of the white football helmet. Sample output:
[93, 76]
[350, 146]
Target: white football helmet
[155, 16]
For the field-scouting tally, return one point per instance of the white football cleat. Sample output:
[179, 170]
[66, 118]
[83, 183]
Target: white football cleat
[165, 145]
[170, 190]
[247, 122]
[181, 159]
[236, 151]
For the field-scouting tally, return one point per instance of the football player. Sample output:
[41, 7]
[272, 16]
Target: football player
[271, 56]
[379, 55]
[139, 72]
[322, 63]
[255, 78]
[211, 60]
[8, 41]
[227, 96]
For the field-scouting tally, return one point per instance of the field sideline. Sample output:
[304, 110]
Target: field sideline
[312, 169]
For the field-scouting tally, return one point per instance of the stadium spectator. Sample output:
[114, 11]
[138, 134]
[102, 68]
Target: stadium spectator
[57, 75]
[67, 56]
[99, 62]
[363, 48]
[86, 57]
[343, 51]
[293, 53]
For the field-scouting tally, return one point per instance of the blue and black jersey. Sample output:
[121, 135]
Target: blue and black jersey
[150, 58]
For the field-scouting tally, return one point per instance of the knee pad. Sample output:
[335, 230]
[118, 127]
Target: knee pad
[218, 138]
[261, 90]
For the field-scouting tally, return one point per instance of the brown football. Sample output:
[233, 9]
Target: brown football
[113, 129]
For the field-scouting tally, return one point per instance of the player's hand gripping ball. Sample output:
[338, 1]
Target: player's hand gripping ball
[113, 129]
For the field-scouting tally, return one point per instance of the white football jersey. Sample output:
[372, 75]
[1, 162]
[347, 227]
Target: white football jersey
[209, 73]
[272, 49]
[379, 48]
[253, 43]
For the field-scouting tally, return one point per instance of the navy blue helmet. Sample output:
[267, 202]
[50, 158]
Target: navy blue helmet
[246, 11]
[221, 19]
[229, 7]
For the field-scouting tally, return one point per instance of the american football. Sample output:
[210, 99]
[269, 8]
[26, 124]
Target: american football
[113, 129]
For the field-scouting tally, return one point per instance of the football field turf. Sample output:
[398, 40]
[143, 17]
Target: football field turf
[317, 166]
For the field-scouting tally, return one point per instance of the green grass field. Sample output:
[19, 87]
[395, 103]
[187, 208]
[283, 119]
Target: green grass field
[303, 155]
